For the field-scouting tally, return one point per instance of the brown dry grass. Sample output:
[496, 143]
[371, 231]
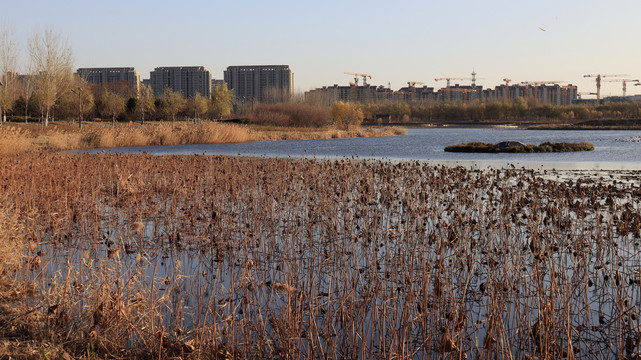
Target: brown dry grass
[277, 133]
[291, 114]
[21, 138]
[14, 140]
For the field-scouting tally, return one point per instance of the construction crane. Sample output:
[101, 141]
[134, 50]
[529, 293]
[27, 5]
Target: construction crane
[464, 91]
[598, 82]
[412, 86]
[472, 79]
[624, 81]
[565, 91]
[579, 94]
[535, 84]
[507, 88]
[357, 75]
[452, 78]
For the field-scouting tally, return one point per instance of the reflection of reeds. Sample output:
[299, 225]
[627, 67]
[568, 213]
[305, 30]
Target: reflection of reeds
[241, 257]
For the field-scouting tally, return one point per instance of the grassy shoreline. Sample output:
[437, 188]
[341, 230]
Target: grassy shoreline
[21, 138]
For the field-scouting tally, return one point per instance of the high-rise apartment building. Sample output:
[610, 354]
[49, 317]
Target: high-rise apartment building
[188, 80]
[265, 83]
[112, 76]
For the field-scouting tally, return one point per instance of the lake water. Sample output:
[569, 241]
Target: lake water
[614, 150]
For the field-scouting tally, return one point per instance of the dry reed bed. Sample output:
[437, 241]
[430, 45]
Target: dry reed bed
[21, 138]
[211, 257]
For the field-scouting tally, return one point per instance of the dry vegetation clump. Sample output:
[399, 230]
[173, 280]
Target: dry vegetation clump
[165, 134]
[212, 257]
[291, 114]
[14, 141]
[275, 133]
[524, 148]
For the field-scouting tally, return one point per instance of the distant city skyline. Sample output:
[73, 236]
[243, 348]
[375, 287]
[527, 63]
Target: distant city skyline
[408, 40]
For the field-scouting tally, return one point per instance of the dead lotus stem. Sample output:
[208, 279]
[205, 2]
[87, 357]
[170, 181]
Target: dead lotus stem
[177, 256]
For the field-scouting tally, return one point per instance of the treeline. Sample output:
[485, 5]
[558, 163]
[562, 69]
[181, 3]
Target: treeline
[44, 88]
[86, 101]
[517, 110]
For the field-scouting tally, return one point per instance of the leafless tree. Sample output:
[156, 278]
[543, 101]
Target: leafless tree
[80, 98]
[8, 72]
[145, 102]
[113, 104]
[198, 105]
[274, 95]
[175, 103]
[221, 101]
[52, 64]
[28, 84]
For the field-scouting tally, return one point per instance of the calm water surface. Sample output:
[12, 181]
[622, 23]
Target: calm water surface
[613, 149]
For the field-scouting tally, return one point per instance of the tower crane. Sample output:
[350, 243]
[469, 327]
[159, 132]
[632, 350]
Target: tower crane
[452, 78]
[472, 79]
[598, 82]
[507, 88]
[464, 91]
[357, 75]
[566, 94]
[579, 94]
[412, 86]
[624, 81]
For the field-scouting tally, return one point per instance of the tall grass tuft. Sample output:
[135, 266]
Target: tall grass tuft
[14, 141]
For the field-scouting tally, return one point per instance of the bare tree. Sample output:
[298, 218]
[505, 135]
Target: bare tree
[175, 103]
[8, 72]
[146, 101]
[274, 95]
[113, 104]
[198, 105]
[52, 64]
[81, 97]
[221, 101]
[27, 82]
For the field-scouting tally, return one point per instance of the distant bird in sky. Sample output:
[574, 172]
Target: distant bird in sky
[540, 28]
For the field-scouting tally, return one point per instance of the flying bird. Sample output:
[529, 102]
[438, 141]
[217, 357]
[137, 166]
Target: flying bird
[540, 28]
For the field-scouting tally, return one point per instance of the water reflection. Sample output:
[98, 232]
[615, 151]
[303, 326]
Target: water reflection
[614, 150]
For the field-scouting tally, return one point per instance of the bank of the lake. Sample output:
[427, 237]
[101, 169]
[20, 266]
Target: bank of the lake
[59, 136]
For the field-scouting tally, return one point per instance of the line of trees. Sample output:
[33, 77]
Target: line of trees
[46, 88]
[517, 110]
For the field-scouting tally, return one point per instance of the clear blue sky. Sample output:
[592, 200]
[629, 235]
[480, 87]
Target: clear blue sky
[394, 41]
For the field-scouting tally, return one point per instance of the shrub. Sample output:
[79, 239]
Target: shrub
[346, 115]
